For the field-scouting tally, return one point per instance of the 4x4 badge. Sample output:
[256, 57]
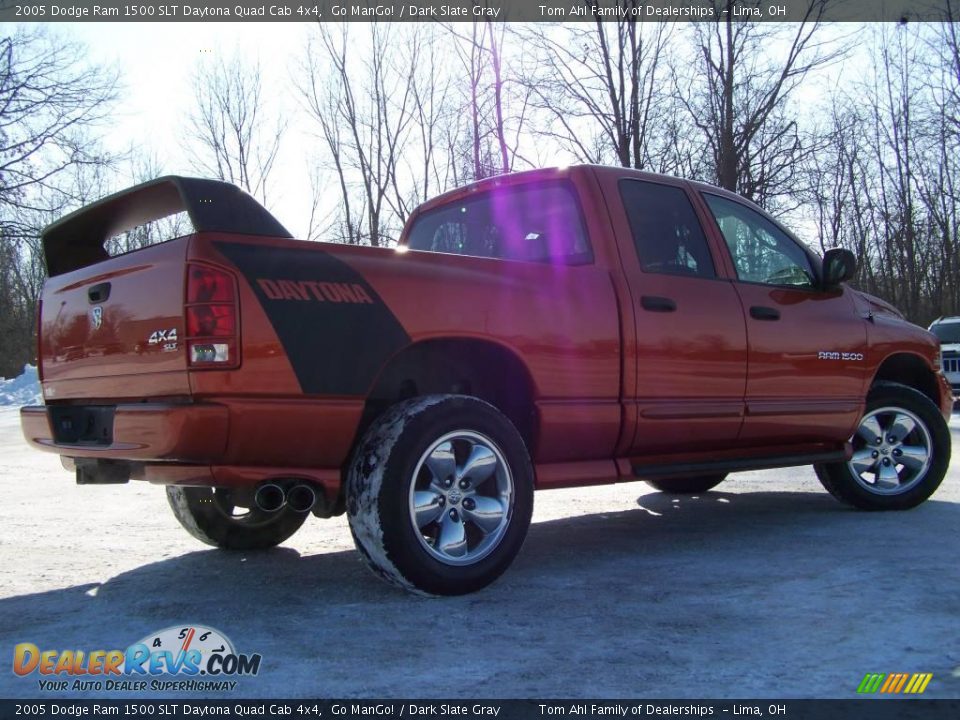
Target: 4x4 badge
[96, 314]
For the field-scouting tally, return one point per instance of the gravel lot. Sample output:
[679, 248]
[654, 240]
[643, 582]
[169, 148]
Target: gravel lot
[766, 588]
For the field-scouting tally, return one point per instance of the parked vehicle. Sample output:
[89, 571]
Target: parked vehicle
[545, 329]
[947, 330]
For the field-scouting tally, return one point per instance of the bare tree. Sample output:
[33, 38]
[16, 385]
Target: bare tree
[739, 93]
[602, 90]
[495, 102]
[940, 188]
[427, 161]
[234, 135]
[52, 104]
[885, 181]
[364, 109]
[946, 47]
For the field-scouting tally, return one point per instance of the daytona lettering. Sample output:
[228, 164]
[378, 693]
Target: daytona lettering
[317, 291]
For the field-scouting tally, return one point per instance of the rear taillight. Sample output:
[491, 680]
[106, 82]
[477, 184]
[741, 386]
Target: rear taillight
[212, 318]
[39, 339]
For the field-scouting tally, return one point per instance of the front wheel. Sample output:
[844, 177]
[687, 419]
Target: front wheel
[901, 451]
[439, 494]
[228, 519]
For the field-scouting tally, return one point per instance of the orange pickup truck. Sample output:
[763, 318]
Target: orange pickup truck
[545, 329]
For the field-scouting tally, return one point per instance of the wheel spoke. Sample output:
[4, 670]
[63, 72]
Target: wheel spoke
[460, 498]
[888, 478]
[870, 430]
[487, 513]
[480, 464]
[902, 426]
[453, 537]
[441, 462]
[427, 506]
[914, 456]
[863, 460]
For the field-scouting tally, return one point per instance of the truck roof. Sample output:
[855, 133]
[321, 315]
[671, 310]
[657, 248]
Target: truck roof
[560, 173]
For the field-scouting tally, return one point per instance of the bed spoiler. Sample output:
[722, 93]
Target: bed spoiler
[78, 239]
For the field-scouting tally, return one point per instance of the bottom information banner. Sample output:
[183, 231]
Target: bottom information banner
[874, 709]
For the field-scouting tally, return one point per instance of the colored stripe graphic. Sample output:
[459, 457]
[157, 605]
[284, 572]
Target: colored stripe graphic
[918, 683]
[893, 683]
[871, 682]
[892, 679]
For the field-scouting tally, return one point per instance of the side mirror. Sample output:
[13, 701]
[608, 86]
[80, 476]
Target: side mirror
[839, 265]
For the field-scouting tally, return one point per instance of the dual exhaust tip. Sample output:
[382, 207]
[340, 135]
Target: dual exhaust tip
[271, 497]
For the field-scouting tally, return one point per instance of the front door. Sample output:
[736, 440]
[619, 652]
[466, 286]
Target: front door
[807, 369]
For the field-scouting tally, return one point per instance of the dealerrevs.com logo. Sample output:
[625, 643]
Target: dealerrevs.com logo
[202, 659]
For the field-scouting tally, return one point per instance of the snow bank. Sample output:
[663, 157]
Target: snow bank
[22, 390]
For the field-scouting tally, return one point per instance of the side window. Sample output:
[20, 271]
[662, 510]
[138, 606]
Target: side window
[666, 232]
[538, 223]
[761, 252]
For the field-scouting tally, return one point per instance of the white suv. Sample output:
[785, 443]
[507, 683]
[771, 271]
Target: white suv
[948, 330]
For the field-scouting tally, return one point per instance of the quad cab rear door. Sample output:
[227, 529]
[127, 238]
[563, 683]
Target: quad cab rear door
[690, 355]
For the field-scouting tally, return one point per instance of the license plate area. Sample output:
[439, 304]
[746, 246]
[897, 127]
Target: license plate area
[82, 425]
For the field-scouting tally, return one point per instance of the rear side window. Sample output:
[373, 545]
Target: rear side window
[536, 223]
[665, 229]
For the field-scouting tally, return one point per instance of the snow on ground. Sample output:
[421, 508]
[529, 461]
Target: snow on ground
[21, 390]
[766, 587]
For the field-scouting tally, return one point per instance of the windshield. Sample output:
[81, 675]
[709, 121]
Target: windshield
[947, 332]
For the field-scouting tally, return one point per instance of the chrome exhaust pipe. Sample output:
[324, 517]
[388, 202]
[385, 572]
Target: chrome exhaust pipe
[270, 497]
[301, 498]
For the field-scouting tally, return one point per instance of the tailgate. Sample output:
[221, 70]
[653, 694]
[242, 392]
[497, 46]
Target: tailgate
[113, 327]
[122, 316]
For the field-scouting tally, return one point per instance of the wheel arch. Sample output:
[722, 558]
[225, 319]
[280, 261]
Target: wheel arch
[911, 370]
[464, 366]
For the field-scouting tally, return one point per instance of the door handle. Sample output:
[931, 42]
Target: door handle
[99, 293]
[657, 304]
[759, 312]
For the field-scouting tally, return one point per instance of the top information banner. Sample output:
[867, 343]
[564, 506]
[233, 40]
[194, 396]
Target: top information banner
[338, 11]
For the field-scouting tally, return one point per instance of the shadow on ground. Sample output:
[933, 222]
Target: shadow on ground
[778, 594]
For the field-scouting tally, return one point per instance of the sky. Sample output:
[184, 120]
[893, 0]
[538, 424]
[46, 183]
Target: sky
[158, 62]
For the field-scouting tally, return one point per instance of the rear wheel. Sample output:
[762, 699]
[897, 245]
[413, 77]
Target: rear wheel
[901, 450]
[687, 485]
[229, 519]
[439, 494]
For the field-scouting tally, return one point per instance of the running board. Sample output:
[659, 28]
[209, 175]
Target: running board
[738, 464]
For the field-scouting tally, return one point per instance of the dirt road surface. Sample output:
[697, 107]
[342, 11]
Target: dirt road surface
[767, 587]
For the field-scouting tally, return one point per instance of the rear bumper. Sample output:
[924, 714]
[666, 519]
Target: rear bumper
[236, 442]
[141, 432]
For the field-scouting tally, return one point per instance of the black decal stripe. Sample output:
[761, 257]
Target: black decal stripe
[335, 348]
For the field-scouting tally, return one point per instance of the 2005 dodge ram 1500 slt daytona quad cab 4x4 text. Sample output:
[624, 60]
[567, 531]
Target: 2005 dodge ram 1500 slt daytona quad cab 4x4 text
[545, 329]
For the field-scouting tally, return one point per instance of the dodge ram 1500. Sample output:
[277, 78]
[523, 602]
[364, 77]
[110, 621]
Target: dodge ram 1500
[543, 329]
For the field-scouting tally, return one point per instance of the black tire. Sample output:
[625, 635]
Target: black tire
[401, 459]
[209, 514]
[907, 485]
[690, 485]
